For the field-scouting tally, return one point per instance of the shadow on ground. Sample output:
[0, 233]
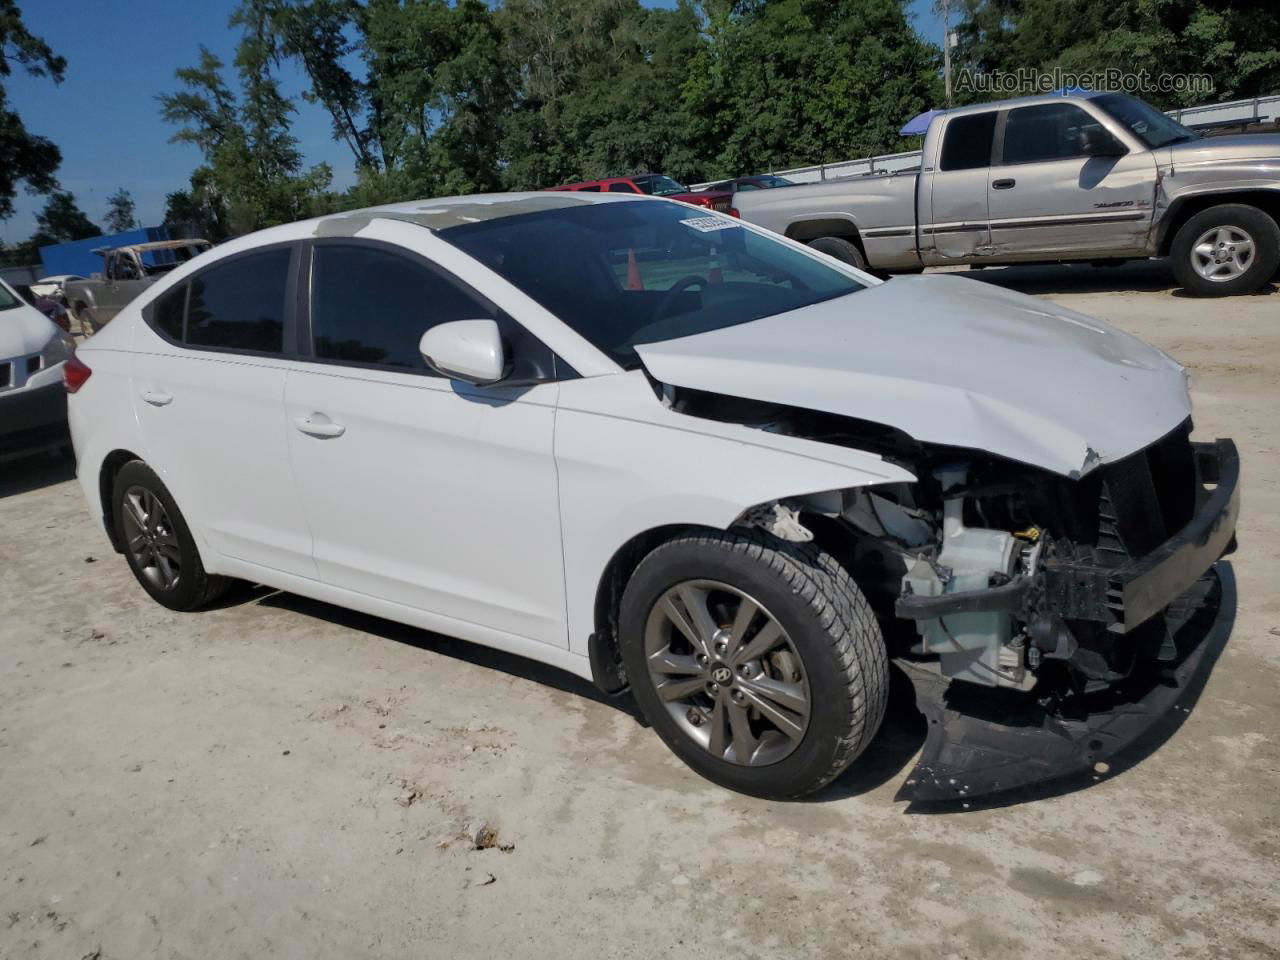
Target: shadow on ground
[1134, 276]
[888, 755]
[24, 474]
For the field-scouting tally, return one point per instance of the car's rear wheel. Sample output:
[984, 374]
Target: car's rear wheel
[157, 542]
[1226, 250]
[758, 661]
[841, 249]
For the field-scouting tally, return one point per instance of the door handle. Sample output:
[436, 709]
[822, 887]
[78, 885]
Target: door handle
[157, 398]
[1006, 184]
[319, 428]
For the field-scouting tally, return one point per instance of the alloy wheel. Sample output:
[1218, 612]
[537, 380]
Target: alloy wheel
[1222, 253]
[150, 538]
[727, 672]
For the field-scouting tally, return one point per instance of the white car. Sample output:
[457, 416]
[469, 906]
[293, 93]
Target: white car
[52, 287]
[33, 404]
[660, 448]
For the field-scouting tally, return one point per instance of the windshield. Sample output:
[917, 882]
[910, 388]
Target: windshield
[628, 273]
[7, 298]
[1148, 124]
[659, 186]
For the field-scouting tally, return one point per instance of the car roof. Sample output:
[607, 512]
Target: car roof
[444, 212]
[1022, 102]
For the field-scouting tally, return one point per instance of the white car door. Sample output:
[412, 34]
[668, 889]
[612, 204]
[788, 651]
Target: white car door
[208, 381]
[420, 490]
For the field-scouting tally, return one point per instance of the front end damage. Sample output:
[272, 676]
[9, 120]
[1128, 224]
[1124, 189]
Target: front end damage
[1050, 624]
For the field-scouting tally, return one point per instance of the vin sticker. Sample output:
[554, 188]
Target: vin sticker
[712, 224]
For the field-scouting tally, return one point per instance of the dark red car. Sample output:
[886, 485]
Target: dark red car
[656, 185]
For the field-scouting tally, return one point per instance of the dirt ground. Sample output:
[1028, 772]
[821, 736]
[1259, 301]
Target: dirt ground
[281, 778]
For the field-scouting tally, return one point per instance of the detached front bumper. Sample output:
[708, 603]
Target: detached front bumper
[1122, 597]
[984, 741]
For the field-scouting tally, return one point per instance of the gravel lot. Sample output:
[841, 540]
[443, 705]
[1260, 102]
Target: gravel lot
[283, 778]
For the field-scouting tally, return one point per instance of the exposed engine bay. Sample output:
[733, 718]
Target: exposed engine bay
[986, 573]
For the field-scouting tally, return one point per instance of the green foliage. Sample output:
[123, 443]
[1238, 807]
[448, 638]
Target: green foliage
[252, 174]
[62, 221]
[24, 157]
[1234, 41]
[121, 212]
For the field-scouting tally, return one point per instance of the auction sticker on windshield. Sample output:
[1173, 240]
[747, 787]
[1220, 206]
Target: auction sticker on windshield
[711, 224]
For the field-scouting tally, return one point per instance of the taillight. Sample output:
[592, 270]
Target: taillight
[733, 212]
[75, 372]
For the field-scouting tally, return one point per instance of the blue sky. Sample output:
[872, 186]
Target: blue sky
[104, 116]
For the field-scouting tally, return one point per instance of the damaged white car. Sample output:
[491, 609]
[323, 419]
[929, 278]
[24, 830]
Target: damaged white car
[671, 452]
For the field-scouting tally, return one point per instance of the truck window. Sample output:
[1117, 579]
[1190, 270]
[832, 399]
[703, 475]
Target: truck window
[967, 142]
[1048, 131]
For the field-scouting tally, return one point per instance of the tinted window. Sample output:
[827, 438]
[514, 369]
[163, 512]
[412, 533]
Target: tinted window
[373, 306]
[240, 305]
[622, 274]
[1150, 125]
[169, 311]
[966, 144]
[1050, 131]
[591, 189]
[620, 188]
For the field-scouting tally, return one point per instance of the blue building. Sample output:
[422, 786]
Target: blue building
[78, 258]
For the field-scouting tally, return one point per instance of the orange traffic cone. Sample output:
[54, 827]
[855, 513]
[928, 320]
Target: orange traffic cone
[633, 271]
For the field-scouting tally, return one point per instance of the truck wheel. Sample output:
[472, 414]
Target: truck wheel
[1226, 250]
[158, 543]
[757, 661]
[841, 249]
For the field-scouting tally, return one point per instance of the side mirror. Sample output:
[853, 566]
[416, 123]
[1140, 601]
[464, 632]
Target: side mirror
[469, 350]
[1098, 142]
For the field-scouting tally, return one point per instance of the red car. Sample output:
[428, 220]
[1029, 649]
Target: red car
[656, 185]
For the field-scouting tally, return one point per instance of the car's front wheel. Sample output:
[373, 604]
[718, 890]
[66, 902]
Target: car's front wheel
[758, 661]
[158, 543]
[1226, 250]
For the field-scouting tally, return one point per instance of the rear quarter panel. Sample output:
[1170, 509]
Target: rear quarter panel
[881, 208]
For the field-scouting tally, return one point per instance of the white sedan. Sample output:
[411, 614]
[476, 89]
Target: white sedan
[658, 448]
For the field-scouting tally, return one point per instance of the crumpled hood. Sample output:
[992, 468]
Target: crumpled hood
[950, 361]
[24, 330]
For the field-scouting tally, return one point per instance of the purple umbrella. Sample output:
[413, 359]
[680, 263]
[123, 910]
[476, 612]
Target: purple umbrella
[916, 126]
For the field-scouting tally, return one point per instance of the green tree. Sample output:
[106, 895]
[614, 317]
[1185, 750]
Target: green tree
[121, 215]
[796, 82]
[252, 173]
[24, 156]
[62, 221]
[1233, 41]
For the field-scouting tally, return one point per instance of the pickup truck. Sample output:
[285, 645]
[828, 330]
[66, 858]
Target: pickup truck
[1084, 176]
[126, 272]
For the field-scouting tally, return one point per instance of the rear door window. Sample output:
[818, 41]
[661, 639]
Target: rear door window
[966, 143]
[241, 304]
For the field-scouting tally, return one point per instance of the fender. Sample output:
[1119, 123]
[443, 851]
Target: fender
[613, 488]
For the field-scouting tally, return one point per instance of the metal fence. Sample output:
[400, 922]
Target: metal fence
[1268, 108]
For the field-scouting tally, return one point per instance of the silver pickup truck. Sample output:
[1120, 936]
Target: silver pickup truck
[1053, 178]
[126, 272]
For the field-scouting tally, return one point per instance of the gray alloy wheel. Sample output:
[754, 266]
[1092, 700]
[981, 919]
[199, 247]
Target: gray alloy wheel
[1222, 253]
[727, 672]
[150, 538]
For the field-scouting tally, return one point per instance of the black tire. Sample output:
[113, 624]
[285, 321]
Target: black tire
[829, 625]
[841, 249]
[193, 588]
[1262, 267]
